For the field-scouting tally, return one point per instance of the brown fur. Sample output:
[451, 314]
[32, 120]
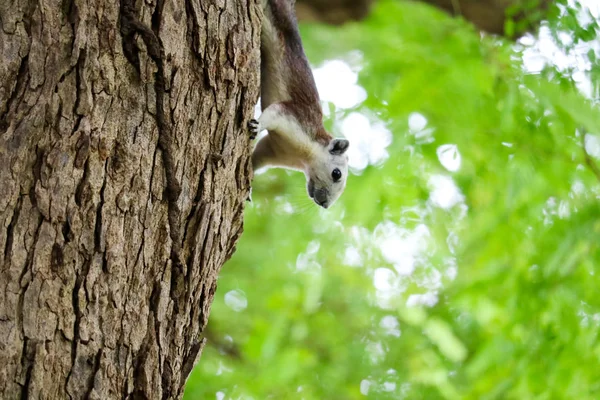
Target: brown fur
[286, 76]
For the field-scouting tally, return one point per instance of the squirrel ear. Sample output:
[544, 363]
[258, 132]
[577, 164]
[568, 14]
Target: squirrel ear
[338, 146]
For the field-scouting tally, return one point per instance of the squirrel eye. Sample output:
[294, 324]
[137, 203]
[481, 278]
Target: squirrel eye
[336, 174]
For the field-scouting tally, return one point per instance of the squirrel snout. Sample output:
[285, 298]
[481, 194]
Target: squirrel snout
[320, 196]
[322, 204]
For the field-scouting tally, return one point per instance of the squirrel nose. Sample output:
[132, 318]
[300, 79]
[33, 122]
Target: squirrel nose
[322, 203]
[321, 198]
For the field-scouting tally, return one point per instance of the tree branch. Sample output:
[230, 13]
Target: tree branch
[589, 160]
[487, 15]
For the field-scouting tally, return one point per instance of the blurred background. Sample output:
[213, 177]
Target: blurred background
[463, 260]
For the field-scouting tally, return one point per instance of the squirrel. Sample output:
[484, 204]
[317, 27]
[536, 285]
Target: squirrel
[291, 111]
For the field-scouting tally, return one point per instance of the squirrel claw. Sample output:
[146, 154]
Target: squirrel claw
[253, 126]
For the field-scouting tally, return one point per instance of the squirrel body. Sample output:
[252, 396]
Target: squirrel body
[291, 110]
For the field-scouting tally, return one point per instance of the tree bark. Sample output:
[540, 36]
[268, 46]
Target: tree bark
[124, 170]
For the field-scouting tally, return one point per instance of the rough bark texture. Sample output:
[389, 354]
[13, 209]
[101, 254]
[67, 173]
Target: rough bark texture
[124, 169]
[486, 15]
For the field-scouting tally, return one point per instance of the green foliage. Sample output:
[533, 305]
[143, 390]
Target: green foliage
[487, 289]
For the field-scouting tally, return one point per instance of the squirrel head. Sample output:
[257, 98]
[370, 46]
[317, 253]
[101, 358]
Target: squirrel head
[327, 172]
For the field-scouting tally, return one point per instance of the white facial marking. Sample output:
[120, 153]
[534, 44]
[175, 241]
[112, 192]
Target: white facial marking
[325, 167]
[327, 173]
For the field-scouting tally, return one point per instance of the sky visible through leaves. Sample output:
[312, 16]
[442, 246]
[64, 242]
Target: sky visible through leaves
[462, 261]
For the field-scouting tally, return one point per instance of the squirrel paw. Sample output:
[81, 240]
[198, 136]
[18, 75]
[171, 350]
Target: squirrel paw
[253, 126]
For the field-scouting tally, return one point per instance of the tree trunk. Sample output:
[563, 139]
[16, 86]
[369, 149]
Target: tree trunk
[124, 170]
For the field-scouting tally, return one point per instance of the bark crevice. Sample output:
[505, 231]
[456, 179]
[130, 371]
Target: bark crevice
[130, 25]
[10, 230]
[20, 82]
